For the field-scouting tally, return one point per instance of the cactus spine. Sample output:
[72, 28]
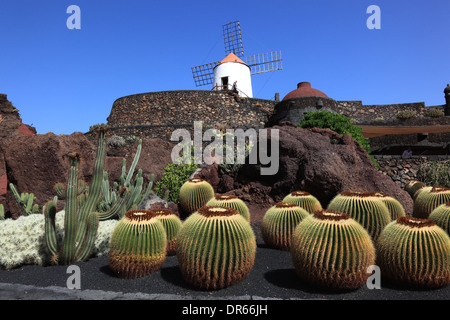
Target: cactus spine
[171, 224]
[329, 249]
[230, 201]
[305, 200]
[414, 252]
[138, 245]
[395, 208]
[366, 208]
[195, 193]
[428, 199]
[441, 216]
[216, 248]
[279, 222]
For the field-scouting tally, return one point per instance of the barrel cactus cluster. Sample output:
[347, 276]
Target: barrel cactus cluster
[279, 223]
[216, 248]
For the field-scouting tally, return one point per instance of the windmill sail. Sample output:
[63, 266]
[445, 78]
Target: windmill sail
[204, 74]
[233, 39]
[265, 62]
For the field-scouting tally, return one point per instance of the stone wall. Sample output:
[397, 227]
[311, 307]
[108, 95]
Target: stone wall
[157, 114]
[402, 170]
[366, 113]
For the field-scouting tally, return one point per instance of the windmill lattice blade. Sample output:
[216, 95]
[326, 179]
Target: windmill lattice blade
[265, 62]
[233, 39]
[204, 74]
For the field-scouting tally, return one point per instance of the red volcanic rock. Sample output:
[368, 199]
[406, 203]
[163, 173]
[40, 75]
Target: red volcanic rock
[35, 163]
[318, 161]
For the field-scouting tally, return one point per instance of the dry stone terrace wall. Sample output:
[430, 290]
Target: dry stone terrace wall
[157, 114]
[402, 170]
[366, 113]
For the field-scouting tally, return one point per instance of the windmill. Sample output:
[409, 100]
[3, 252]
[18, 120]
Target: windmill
[234, 72]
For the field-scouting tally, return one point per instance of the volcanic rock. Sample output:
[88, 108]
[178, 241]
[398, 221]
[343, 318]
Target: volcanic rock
[318, 161]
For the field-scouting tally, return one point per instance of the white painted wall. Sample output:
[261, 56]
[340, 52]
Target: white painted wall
[235, 71]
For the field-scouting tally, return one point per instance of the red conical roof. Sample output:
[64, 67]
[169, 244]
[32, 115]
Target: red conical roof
[232, 58]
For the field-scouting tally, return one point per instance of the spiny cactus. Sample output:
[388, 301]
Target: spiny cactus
[365, 207]
[329, 249]
[216, 248]
[59, 189]
[172, 225]
[138, 245]
[305, 200]
[441, 216]
[412, 187]
[25, 200]
[195, 193]
[428, 199]
[2, 212]
[414, 252]
[80, 220]
[394, 206]
[230, 201]
[279, 223]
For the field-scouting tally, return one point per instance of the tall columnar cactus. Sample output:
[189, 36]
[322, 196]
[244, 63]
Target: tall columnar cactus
[2, 212]
[195, 193]
[394, 206]
[216, 248]
[441, 216]
[279, 222]
[366, 208]
[305, 200]
[80, 220]
[429, 199]
[138, 245]
[414, 252]
[25, 200]
[413, 186]
[329, 249]
[230, 201]
[172, 225]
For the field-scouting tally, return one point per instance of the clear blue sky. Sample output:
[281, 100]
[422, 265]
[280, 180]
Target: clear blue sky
[64, 80]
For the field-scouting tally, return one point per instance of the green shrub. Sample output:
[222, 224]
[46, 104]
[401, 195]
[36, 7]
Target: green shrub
[172, 180]
[338, 123]
[434, 113]
[406, 114]
[435, 173]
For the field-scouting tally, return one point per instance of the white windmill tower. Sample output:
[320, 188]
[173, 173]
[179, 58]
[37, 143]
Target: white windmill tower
[232, 73]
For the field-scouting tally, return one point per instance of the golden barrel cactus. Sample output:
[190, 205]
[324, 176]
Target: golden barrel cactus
[305, 200]
[195, 193]
[230, 201]
[216, 248]
[429, 199]
[331, 250]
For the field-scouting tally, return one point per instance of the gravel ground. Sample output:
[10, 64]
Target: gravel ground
[272, 277]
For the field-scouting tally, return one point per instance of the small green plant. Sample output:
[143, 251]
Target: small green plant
[435, 173]
[116, 141]
[338, 123]
[2, 212]
[25, 200]
[434, 113]
[406, 114]
[173, 178]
